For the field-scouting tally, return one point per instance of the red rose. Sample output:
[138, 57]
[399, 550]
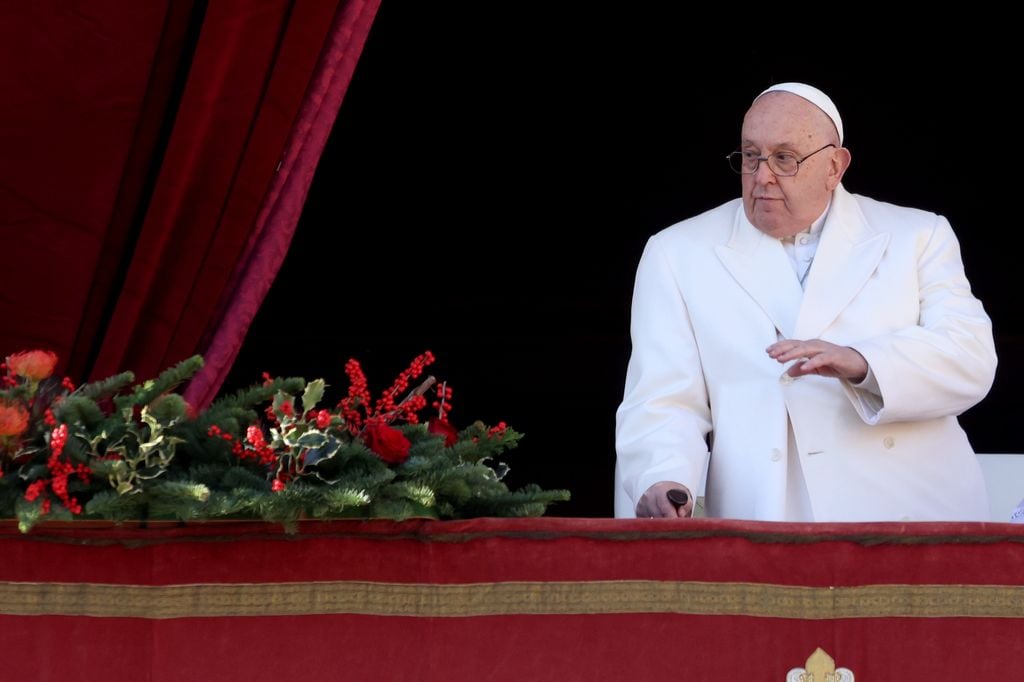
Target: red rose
[387, 442]
[436, 426]
[34, 365]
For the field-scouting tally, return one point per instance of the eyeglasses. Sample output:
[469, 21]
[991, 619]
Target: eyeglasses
[783, 164]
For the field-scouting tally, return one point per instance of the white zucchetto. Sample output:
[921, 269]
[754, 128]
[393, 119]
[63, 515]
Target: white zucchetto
[815, 97]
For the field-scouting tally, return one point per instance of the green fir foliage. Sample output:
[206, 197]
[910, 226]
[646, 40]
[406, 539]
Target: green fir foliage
[168, 380]
[109, 450]
[106, 388]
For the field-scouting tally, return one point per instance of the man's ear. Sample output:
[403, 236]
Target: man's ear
[838, 163]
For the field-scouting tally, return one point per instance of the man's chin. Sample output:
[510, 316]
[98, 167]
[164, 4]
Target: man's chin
[771, 223]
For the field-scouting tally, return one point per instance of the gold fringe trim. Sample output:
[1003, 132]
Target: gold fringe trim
[510, 598]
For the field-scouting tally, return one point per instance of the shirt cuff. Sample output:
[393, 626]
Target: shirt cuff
[866, 397]
[869, 384]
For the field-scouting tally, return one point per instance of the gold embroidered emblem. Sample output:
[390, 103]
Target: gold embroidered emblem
[820, 667]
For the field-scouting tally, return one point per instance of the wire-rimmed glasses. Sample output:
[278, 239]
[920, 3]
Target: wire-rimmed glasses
[783, 163]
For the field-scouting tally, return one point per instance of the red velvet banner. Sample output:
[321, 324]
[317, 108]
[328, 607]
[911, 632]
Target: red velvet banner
[565, 599]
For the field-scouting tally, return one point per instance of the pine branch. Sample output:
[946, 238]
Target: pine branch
[109, 505]
[159, 463]
[79, 409]
[337, 501]
[178, 499]
[399, 509]
[105, 388]
[248, 397]
[530, 500]
[171, 377]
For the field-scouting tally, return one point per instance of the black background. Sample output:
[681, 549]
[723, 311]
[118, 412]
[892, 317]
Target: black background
[493, 176]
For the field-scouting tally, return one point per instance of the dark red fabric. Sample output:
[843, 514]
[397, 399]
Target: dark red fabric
[268, 242]
[228, 137]
[592, 648]
[169, 65]
[139, 189]
[76, 84]
[522, 549]
[598, 646]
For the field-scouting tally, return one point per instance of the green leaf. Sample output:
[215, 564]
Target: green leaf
[324, 453]
[312, 439]
[313, 394]
[172, 467]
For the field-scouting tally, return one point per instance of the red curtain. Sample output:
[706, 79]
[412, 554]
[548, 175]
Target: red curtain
[282, 205]
[82, 89]
[158, 157]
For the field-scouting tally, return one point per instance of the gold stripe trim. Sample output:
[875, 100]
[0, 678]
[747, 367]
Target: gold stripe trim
[510, 598]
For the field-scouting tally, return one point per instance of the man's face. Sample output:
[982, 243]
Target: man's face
[783, 122]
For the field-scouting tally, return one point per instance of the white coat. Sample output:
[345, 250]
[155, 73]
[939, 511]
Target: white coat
[713, 292]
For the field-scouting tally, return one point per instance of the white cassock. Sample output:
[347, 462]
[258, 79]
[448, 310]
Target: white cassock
[713, 292]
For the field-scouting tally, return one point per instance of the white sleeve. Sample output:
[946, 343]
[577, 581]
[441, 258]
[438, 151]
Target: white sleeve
[664, 418]
[944, 364]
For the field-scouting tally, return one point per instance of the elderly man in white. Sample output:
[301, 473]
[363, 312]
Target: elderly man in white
[817, 345]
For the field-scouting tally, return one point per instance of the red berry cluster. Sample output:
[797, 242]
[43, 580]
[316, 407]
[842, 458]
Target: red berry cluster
[59, 473]
[260, 450]
[358, 396]
[323, 419]
[386, 410]
[236, 447]
[443, 402]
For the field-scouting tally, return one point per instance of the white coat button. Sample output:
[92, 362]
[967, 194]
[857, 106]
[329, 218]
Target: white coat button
[776, 454]
[888, 442]
[803, 240]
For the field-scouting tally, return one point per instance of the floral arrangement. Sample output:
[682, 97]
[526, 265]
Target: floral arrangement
[120, 451]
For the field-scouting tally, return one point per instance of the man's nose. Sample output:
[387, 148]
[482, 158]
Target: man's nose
[763, 175]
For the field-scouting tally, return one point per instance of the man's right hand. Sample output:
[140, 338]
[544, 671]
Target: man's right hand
[654, 503]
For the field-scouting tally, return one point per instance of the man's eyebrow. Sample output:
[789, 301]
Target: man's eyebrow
[782, 145]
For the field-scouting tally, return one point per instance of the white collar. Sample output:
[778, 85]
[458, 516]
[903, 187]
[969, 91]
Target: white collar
[815, 229]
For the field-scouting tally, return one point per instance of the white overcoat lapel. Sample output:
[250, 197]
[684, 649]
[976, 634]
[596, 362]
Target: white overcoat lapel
[760, 265]
[849, 251]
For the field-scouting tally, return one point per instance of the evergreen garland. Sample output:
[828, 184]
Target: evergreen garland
[111, 450]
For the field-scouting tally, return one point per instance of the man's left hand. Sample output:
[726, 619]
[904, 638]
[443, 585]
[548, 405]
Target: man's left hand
[820, 357]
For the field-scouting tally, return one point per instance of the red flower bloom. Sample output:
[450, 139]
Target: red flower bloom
[13, 419]
[436, 426]
[34, 365]
[387, 442]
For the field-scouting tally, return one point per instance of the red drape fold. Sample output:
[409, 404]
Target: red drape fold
[170, 64]
[84, 86]
[269, 240]
[156, 158]
[250, 75]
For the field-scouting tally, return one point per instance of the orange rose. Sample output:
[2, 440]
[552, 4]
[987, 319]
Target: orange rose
[34, 365]
[13, 419]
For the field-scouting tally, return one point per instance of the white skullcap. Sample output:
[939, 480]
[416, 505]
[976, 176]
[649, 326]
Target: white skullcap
[815, 97]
